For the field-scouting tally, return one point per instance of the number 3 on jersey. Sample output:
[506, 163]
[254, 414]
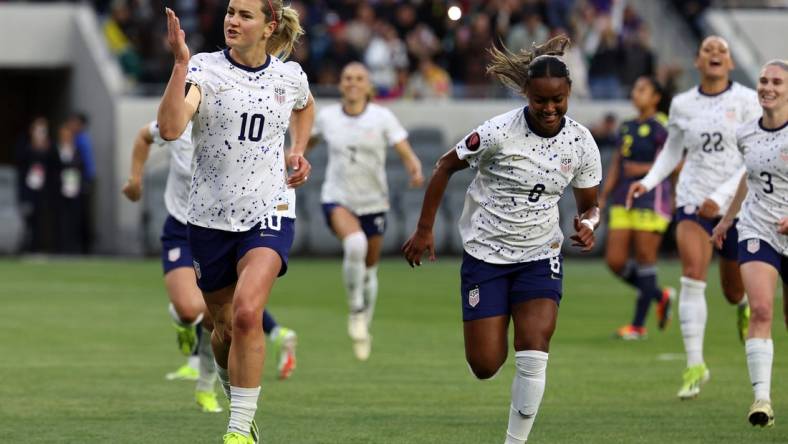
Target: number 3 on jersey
[254, 131]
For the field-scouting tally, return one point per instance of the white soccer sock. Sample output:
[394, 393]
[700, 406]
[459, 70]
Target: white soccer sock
[355, 249]
[243, 405]
[207, 367]
[194, 362]
[760, 353]
[177, 318]
[224, 378]
[527, 391]
[370, 291]
[692, 315]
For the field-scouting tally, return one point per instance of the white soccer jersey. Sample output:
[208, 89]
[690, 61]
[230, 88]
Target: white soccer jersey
[706, 127]
[356, 170]
[511, 207]
[176, 194]
[766, 157]
[239, 132]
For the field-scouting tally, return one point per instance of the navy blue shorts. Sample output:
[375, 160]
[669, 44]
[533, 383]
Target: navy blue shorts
[217, 252]
[371, 224]
[489, 290]
[175, 250]
[730, 248]
[759, 250]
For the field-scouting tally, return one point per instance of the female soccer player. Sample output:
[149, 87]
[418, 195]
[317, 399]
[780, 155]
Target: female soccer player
[240, 216]
[763, 227]
[187, 307]
[639, 228]
[509, 225]
[704, 121]
[355, 193]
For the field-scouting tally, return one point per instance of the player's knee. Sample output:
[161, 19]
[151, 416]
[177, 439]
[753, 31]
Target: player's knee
[354, 246]
[247, 319]
[616, 264]
[541, 343]
[760, 314]
[694, 271]
[484, 370]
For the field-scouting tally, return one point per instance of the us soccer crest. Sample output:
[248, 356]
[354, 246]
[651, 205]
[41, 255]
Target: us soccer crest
[174, 254]
[784, 154]
[279, 94]
[566, 163]
[473, 297]
[197, 269]
[753, 245]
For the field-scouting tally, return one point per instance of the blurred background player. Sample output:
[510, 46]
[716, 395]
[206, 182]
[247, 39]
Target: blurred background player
[704, 121]
[512, 265]
[187, 307]
[763, 227]
[639, 228]
[355, 195]
[241, 213]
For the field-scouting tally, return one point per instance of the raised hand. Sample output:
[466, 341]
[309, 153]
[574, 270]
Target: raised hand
[177, 38]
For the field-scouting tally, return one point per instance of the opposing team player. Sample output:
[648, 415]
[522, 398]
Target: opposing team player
[703, 121]
[187, 307]
[355, 192]
[241, 213]
[512, 265]
[639, 228]
[763, 227]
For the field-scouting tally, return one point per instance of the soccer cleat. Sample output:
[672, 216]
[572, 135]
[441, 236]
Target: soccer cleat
[631, 333]
[694, 377]
[743, 320]
[359, 333]
[761, 413]
[187, 338]
[665, 307]
[254, 432]
[184, 373]
[237, 438]
[285, 346]
[207, 402]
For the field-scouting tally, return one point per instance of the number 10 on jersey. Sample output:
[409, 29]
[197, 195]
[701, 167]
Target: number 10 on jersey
[254, 130]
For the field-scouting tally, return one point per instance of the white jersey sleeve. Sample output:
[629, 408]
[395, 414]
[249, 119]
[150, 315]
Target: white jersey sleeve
[484, 141]
[588, 172]
[393, 129]
[302, 92]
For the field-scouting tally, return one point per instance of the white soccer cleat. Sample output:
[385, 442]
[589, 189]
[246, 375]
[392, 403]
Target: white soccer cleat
[359, 333]
[761, 413]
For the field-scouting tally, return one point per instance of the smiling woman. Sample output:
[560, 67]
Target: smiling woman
[512, 265]
[241, 222]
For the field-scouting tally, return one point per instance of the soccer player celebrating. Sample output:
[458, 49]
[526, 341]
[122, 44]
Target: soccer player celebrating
[512, 265]
[241, 209]
[355, 193]
[641, 227]
[763, 227]
[187, 307]
[703, 121]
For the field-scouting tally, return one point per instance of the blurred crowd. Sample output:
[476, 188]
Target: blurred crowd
[55, 174]
[414, 49]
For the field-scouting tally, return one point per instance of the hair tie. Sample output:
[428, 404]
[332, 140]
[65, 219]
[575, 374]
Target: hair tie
[273, 14]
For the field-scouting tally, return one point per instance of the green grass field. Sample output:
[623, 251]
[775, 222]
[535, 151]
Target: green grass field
[85, 345]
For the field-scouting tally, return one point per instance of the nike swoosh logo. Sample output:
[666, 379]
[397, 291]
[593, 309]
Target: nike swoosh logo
[267, 235]
[526, 416]
[225, 88]
[555, 277]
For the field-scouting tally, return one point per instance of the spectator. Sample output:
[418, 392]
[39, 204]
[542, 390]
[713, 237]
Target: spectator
[115, 32]
[603, 74]
[527, 33]
[36, 174]
[639, 59]
[385, 55]
[77, 125]
[70, 198]
[605, 133]
[429, 82]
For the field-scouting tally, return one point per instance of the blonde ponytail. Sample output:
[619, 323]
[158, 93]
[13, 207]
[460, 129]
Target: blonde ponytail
[513, 69]
[288, 29]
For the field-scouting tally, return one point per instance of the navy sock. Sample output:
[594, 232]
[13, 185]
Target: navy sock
[648, 291]
[269, 323]
[199, 338]
[629, 273]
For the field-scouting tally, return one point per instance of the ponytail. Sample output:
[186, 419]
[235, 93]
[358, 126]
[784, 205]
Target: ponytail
[514, 70]
[288, 29]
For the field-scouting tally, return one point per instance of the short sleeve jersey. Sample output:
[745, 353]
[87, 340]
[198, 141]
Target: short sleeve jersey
[176, 193]
[356, 170]
[641, 141]
[766, 158]
[706, 125]
[511, 207]
[239, 131]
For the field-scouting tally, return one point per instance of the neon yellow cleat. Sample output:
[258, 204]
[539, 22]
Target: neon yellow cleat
[254, 432]
[743, 320]
[694, 377]
[186, 337]
[184, 373]
[761, 413]
[285, 347]
[207, 402]
[237, 438]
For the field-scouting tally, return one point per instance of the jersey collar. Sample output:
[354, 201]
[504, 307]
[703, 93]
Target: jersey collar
[771, 130]
[533, 129]
[730, 85]
[244, 67]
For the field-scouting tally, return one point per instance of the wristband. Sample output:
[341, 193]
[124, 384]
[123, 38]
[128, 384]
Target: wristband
[587, 223]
